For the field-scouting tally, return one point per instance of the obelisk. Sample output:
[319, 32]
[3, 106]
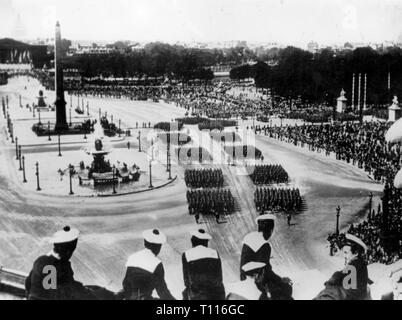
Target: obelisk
[61, 119]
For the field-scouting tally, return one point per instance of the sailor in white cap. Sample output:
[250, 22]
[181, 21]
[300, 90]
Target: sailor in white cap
[202, 270]
[145, 271]
[56, 267]
[355, 273]
[255, 244]
[247, 289]
[256, 248]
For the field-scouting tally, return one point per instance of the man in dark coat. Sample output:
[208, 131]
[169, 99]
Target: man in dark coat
[352, 282]
[145, 271]
[202, 270]
[52, 277]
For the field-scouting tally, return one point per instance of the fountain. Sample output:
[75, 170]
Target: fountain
[101, 171]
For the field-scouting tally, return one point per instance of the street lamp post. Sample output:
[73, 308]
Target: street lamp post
[12, 132]
[70, 115]
[48, 131]
[167, 159]
[167, 151]
[371, 203]
[170, 167]
[70, 169]
[114, 177]
[119, 128]
[338, 209]
[152, 149]
[37, 177]
[39, 116]
[19, 157]
[150, 174]
[16, 147]
[139, 141]
[58, 139]
[23, 170]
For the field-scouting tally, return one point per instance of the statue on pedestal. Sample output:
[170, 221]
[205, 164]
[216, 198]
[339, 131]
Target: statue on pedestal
[41, 100]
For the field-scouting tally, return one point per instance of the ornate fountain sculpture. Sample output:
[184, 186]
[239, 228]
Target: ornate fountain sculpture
[101, 171]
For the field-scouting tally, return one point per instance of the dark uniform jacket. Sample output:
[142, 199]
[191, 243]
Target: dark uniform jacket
[202, 273]
[144, 274]
[255, 248]
[362, 280]
[66, 287]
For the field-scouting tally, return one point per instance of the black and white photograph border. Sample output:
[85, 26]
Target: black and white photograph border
[200, 150]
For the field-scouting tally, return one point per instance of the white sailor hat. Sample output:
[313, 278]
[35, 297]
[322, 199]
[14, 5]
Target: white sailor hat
[266, 216]
[66, 235]
[352, 239]
[253, 265]
[200, 234]
[154, 236]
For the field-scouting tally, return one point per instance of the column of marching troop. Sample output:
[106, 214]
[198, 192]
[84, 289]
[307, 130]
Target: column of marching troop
[206, 196]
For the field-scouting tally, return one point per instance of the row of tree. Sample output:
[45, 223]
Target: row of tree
[158, 60]
[320, 77]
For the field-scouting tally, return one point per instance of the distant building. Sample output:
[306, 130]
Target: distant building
[91, 49]
[16, 52]
[136, 47]
[312, 47]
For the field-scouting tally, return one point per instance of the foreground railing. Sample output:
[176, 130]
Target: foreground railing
[12, 282]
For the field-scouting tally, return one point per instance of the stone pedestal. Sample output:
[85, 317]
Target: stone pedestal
[341, 103]
[394, 111]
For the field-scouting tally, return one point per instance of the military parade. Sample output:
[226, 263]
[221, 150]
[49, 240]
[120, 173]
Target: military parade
[281, 199]
[268, 174]
[216, 202]
[204, 178]
[176, 167]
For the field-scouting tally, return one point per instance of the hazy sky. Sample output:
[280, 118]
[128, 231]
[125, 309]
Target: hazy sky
[286, 21]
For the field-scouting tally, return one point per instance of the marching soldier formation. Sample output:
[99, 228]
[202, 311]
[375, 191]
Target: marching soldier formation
[203, 178]
[277, 199]
[268, 174]
[243, 152]
[216, 201]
